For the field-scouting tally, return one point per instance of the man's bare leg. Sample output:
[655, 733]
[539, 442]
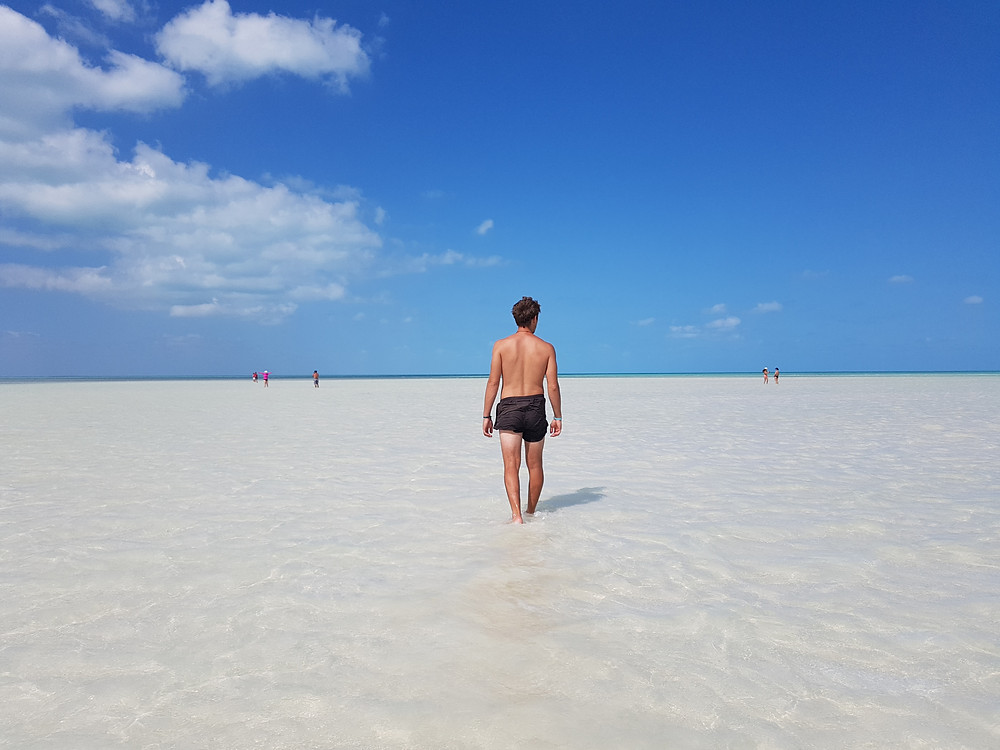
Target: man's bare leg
[510, 447]
[536, 477]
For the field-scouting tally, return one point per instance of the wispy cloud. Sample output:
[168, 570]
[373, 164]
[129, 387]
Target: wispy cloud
[644, 322]
[427, 261]
[72, 28]
[120, 11]
[484, 227]
[268, 313]
[768, 307]
[724, 324]
[713, 328]
[719, 309]
[684, 332]
[85, 281]
[975, 299]
[204, 310]
[901, 279]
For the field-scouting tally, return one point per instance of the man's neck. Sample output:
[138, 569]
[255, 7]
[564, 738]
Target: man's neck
[530, 328]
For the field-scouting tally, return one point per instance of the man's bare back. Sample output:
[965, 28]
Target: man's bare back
[524, 360]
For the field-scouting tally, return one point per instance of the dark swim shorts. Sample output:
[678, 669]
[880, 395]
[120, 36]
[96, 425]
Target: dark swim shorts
[524, 414]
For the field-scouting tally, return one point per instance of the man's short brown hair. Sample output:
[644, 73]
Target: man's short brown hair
[525, 311]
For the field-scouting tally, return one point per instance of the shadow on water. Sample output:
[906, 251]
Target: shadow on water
[582, 496]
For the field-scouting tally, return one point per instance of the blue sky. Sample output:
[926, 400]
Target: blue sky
[367, 188]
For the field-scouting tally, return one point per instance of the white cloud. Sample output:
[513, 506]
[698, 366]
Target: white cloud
[230, 48]
[901, 279]
[767, 307]
[174, 234]
[423, 263]
[14, 238]
[267, 313]
[485, 227]
[490, 261]
[115, 10]
[975, 299]
[86, 281]
[645, 322]
[684, 332]
[331, 291]
[43, 79]
[719, 325]
[203, 310]
[725, 324]
[719, 309]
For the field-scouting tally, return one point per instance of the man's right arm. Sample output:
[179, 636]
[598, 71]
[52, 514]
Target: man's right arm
[492, 389]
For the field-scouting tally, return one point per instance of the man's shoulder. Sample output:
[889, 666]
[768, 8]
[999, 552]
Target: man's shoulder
[542, 343]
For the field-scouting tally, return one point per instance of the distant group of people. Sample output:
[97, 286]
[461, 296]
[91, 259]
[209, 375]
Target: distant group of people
[775, 375]
[264, 377]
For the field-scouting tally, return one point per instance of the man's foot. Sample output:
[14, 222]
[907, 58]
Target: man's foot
[516, 519]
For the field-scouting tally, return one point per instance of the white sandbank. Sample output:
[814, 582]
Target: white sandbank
[715, 563]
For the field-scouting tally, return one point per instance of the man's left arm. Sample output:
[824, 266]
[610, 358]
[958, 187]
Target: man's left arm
[555, 397]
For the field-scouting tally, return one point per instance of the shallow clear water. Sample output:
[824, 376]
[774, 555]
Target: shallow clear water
[715, 563]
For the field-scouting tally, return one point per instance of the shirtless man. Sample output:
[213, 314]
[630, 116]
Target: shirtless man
[522, 361]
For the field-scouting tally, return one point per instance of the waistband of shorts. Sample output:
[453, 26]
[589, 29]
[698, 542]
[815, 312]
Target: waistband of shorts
[524, 399]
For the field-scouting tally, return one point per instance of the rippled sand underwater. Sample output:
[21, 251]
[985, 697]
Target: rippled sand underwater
[715, 563]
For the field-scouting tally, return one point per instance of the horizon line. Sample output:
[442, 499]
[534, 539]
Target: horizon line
[415, 376]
